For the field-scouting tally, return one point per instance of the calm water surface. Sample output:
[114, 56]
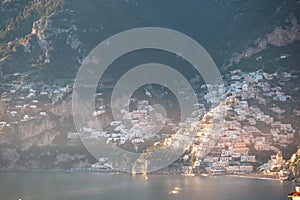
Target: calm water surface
[88, 186]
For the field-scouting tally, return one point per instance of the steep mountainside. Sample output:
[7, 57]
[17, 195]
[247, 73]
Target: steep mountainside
[57, 34]
[48, 39]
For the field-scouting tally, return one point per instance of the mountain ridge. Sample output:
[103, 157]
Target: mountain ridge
[75, 28]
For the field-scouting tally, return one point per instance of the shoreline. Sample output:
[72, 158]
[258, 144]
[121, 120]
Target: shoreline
[255, 176]
[249, 176]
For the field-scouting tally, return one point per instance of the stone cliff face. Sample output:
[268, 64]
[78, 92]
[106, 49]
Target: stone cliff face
[35, 127]
[63, 108]
[279, 37]
[294, 165]
[41, 143]
[32, 132]
[24, 22]
[282, 37]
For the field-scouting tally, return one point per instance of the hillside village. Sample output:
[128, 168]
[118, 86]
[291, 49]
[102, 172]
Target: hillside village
[251, 108]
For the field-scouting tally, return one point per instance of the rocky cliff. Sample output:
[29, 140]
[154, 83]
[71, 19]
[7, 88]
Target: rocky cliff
[281, 36]
[57, 34]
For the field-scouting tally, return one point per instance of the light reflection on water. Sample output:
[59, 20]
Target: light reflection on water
[31, 186]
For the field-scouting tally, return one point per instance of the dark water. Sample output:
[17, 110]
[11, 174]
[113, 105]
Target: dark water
[87, 186]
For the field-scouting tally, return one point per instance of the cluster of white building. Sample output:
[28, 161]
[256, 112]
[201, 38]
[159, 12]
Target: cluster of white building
[136, 126]
[246, 127]
[25, 100]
